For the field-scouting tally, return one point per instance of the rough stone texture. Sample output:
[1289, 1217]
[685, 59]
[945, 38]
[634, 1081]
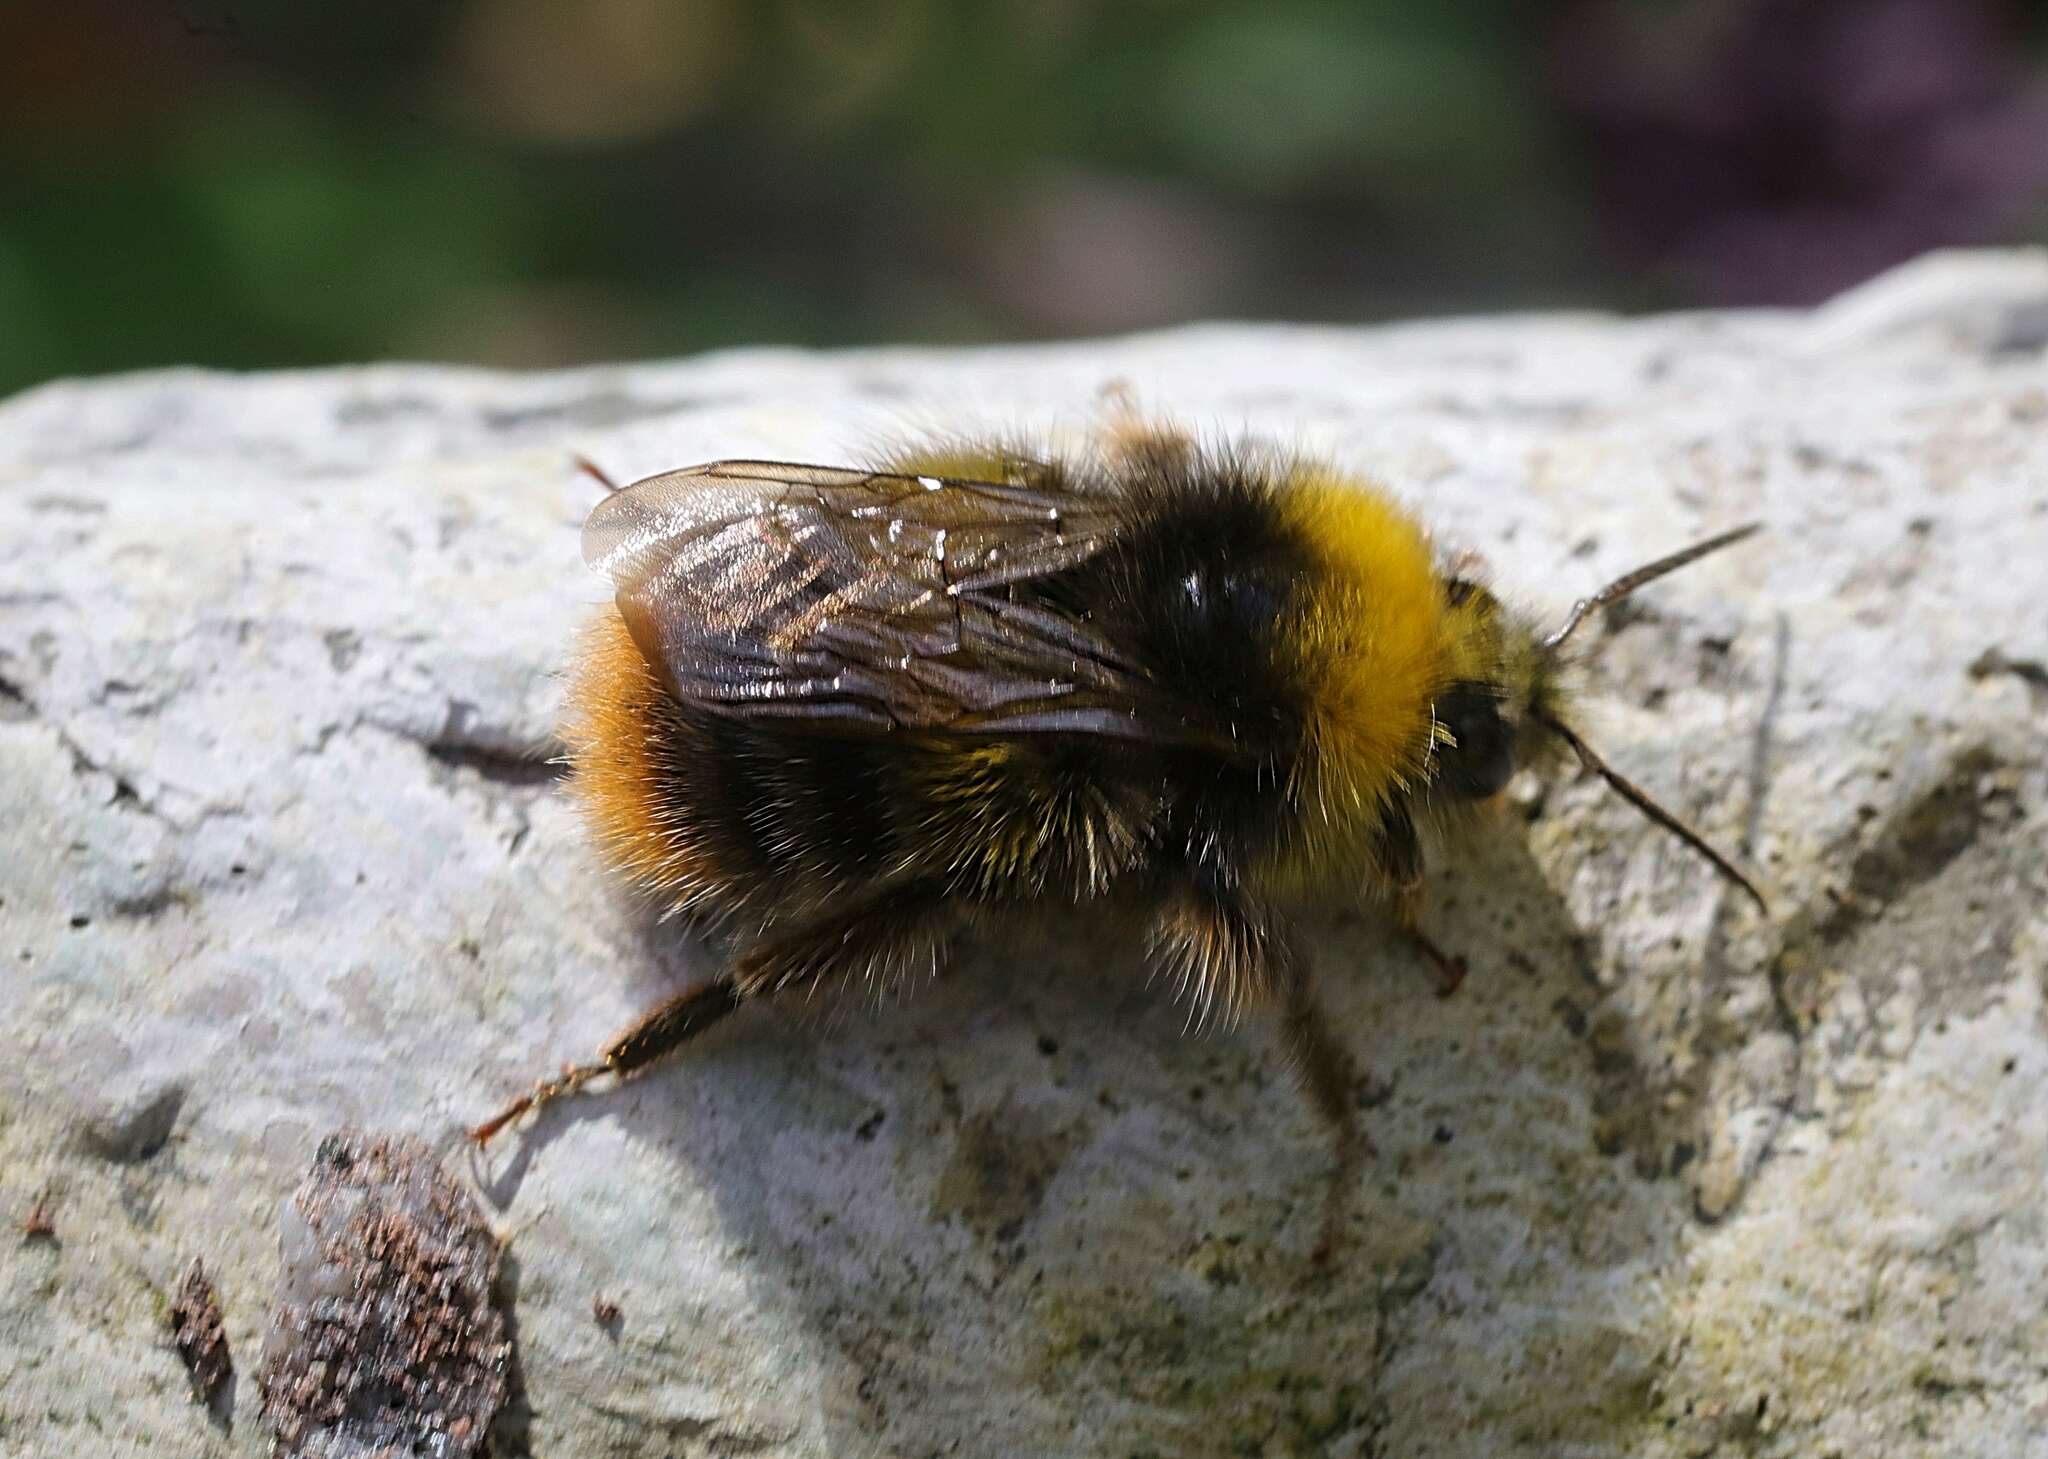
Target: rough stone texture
[281, 852]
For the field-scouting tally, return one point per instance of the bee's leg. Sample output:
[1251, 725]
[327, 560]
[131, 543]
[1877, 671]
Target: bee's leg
[883, 940]
[1398, 852]
[596, 473]
[1449, 968]
[1137, 441]
[1327, 1075]
[1223, 945]
[889, 935]
[670, 1024]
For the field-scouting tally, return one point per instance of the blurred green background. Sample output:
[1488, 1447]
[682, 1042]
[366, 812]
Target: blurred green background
[530, 182]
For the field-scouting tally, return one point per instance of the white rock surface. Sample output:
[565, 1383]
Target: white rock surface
[277, 654]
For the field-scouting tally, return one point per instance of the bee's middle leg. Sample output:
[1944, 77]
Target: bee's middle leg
[1224, 940]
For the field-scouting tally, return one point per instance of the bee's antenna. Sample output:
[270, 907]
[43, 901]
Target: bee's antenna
[1637, 797]
[590, 468]
[1627, 583]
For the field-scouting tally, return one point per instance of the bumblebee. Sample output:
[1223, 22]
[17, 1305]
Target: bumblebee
[846, 711]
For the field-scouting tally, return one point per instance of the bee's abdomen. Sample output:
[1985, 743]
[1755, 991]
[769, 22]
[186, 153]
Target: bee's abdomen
[777, 805]
[710, 815]
[718, 817]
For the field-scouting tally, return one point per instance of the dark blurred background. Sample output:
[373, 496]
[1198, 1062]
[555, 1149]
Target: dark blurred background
[275, 182]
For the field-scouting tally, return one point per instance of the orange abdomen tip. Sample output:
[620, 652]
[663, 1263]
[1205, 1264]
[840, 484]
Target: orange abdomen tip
[625, 739]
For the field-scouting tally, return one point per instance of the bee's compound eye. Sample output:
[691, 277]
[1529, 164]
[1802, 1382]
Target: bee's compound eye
[1483, 758]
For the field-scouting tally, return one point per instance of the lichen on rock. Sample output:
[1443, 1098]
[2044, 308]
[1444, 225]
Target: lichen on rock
[385, 1343]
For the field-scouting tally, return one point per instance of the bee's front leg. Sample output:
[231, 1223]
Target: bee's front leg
[1397, 852]
[1448, 969]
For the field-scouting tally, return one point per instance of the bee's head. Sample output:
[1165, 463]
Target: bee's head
[1505, 707]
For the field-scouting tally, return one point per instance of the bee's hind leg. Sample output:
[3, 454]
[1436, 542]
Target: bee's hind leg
[883, 938]
[669, 1025]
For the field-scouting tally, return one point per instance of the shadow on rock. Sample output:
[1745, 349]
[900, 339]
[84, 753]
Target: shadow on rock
[1026, 1182]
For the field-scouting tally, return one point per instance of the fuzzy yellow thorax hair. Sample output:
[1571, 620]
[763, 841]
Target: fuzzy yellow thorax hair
[1371, 643]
